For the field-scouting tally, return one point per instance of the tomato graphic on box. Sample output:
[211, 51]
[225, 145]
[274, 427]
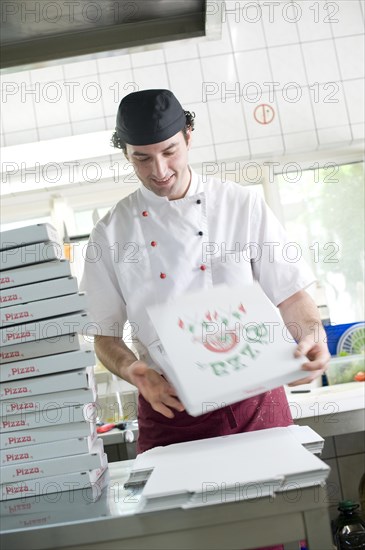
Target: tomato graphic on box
[216, 331]
[215, 343]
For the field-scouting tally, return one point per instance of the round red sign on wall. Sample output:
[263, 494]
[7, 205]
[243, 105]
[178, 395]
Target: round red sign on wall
[264, 114]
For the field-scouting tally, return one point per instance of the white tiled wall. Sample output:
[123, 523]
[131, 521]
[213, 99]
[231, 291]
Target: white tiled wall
[259, 45]
[345, 454]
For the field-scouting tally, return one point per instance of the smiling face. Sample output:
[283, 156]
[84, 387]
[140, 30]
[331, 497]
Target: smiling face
[163, 167]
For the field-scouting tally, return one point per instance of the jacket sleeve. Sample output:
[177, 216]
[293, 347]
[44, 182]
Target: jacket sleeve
[106, 304]
[278, 263]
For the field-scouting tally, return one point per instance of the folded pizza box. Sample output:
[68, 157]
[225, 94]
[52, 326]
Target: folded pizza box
[196, 473]
[53, 484]
[39, 348]
[48, 417]
[21, 276]
[53, 466]
[90, 502]
[46, 328]
[29, 255]
[222, 345]
[38, 291]
[51, 364]
[46, 402]
[42, 309]
[37, 233]
[33, 453]
[48, 434]
[75, 380]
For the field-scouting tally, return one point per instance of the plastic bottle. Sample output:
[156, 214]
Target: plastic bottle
[110, 402]
[350, 528]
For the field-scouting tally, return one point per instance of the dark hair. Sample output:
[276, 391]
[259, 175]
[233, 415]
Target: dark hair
[189, 125]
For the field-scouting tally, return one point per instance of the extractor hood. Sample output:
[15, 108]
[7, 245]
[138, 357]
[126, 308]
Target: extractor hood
[43, 30]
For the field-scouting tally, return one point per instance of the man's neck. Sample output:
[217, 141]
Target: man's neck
[187, 187]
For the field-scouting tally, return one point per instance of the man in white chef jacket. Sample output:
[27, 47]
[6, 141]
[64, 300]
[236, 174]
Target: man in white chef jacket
[150, 247]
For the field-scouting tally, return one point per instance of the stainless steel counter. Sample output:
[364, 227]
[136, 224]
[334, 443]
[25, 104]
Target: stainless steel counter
[331, 410]
[70, 520]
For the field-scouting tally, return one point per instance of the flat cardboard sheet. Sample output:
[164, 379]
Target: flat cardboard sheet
[234, 467]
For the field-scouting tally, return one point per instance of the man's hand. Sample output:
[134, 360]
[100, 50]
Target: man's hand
[300, 314]
[155, 389]
[122, 362]
[318, 355]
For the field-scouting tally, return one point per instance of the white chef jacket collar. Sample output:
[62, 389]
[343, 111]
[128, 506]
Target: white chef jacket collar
[194, 189]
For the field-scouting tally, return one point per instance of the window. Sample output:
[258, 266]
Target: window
[323, 210]
[86, 219]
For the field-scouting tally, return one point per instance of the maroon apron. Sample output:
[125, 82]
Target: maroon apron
[268, 410]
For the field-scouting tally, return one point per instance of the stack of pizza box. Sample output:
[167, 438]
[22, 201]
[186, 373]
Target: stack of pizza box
[48, 440]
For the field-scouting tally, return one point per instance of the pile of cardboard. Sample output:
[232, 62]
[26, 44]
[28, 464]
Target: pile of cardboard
[229, 468]
[48, 440]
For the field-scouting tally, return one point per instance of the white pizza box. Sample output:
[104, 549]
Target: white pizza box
[46, 328]
[42, 309]
[74, 380]
[46, 402]
[30, 254]
[21, 276]
[31, 234]
[51, 364]
[223, 345]
[38, 291]
[53, 466]
[53, 449]
[71, 501]
[308, 438]
[49, 417]
[53, 484]
[273, 461]
[87, 503]
[48, 434]
[39, 348]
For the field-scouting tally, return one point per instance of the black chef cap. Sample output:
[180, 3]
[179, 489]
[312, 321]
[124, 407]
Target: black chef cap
[149, 116]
